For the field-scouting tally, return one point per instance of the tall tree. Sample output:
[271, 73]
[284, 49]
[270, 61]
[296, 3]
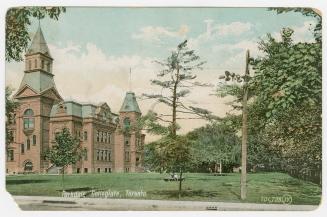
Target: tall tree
[17, 21]
[176, 79]
[66, 151]
[288, 84]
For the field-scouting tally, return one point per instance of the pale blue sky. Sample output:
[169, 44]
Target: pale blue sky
[112, 28]
[93, 49]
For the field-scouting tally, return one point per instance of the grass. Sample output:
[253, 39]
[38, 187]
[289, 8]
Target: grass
[197, 186]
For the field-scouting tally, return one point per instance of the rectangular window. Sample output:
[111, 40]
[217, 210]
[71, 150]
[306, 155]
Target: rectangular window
[106, 170]
[78, 170]
[42, 64]
[85, 135]
[85, 170]
[99, 170]
[126, 140]
[109, 138]
[85, 154]
[127, 157]
[31, 122]
[105, 137]
[34, 139]
[98, 155]
[10, 155]
[28, 123]
[28, 144]
[101, 138]
[22, 148]
[109, 155]
[105, 155]
[98, 136]
[109, 170]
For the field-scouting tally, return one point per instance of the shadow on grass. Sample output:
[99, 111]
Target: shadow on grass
[185, 193]
[25, 181]
[79, 189]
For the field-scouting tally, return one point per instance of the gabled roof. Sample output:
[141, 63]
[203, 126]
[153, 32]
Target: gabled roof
[130, 103]
[39, 45]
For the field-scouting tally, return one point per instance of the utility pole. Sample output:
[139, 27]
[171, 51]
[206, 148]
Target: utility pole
[245, 126]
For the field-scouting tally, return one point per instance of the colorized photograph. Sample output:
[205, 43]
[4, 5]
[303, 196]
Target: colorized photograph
[163, 108]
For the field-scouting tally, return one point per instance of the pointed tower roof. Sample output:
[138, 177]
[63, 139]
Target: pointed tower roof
[130, 103]
[39, 45]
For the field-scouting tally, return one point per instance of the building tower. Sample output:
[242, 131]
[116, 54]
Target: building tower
[129, 141]
[36, 95]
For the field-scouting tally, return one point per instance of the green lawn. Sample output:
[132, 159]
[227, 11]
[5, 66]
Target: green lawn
[197, 186]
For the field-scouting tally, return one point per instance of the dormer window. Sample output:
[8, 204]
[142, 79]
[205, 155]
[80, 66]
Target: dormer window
[28, 119]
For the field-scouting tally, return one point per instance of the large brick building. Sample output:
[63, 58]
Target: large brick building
[42, 113]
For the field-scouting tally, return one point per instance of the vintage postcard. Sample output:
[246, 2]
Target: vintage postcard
[163, 108]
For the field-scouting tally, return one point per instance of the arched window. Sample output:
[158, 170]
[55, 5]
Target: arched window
[127, 123]
[28, 166]
[28, 119]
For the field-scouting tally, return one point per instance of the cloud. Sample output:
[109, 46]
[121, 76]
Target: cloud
[156, 33]
[233, 29]
[85, 73]
[302, 33]
[217, 31]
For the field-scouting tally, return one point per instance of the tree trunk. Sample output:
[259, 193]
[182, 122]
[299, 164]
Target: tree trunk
[220, 167]
[62, 178]
[180, 184]
[174, 105]
[244, 130]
